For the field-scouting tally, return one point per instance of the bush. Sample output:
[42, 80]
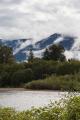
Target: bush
[73, 109]
[67, 82]
[7, 114]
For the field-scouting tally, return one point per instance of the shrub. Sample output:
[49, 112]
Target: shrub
[7, 114]
[67, 82]
[73, 109]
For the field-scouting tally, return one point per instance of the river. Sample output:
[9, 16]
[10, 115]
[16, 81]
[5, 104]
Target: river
[23, 100]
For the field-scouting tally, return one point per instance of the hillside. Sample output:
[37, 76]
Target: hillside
[21, 47]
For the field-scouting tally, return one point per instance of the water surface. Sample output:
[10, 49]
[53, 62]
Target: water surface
[22, 100]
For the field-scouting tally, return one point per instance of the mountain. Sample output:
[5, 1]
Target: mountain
[21, 47]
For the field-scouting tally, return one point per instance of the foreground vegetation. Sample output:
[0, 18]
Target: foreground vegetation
[64, 110]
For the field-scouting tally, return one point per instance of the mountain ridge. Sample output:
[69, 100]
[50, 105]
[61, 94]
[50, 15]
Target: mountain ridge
[21, 47]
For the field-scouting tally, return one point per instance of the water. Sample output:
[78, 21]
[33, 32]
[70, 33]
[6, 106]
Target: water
[23, 100]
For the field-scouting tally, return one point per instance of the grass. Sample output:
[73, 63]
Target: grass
[64, 83]
[63, 110]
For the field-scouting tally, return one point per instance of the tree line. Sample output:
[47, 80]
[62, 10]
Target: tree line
[53, 62]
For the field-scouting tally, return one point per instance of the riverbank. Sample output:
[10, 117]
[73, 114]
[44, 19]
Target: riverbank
[39, 90]
[24, 89]
[11, 89]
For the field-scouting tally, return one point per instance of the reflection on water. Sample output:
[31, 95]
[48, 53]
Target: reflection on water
[22, 100]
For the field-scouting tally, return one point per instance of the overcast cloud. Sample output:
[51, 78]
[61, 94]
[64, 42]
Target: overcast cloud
[38, 19]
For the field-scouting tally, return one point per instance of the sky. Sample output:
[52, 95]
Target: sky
[38, 19]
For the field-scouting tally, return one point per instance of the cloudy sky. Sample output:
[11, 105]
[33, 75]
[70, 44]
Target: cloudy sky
[38, 19]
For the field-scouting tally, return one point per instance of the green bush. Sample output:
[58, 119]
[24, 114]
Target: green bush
[73, 109]
[7, 114]
[67, 82]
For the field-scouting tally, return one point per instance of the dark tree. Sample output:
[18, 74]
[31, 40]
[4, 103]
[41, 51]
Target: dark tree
[31, 56]
[54, 52]
[6, 54]
[46, 54]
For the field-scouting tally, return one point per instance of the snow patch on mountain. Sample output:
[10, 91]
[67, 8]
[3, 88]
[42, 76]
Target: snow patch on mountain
[58, 40]
[74, 52]
[76, 45]
[22, 46]
[68, 54]
[39, 53]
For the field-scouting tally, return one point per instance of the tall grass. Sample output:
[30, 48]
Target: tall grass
[67, 82]
[69, 110]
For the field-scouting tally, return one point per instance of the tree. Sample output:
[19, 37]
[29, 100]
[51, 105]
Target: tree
[6, 54]
[54, 52]
[46, 54]
[22, 76]
[31, 56]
